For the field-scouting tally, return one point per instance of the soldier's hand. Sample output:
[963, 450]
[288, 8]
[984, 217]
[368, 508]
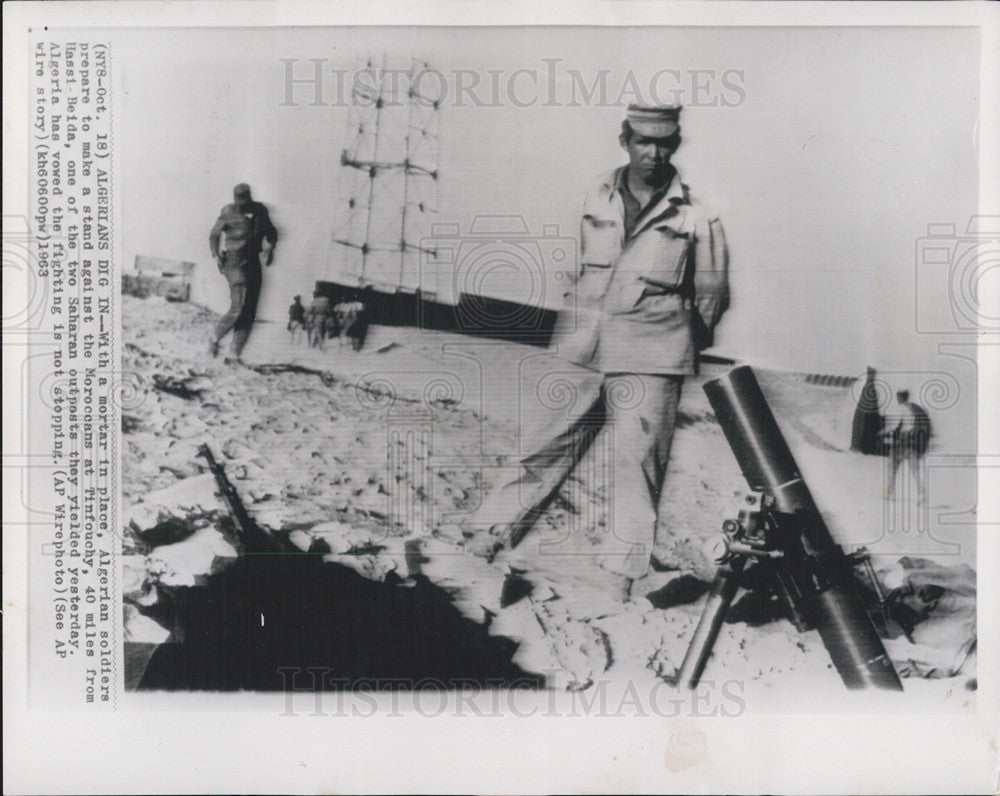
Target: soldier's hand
[219, 261]
[270, 257]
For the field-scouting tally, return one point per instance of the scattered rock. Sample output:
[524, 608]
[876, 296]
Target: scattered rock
[663, 665]
[342, 538]
[683, 554]
[581, 649]
[142, 629]
[302, 540]
[189, 496]
[170, 531]
[183, 563]
[182, 464]
[183, 387]
[136, 585]
[275, 516]
[374, 567]
[187, 426]
[237, 450]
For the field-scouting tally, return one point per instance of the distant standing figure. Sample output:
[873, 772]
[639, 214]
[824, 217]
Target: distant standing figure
[248, 230]
[352, 321]
[907, 434]
[316, 320]
[358, 330]
[867, 426]
[341, 319]
[296, 319]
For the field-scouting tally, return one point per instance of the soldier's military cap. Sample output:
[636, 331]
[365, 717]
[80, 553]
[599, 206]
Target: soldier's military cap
[654, 121]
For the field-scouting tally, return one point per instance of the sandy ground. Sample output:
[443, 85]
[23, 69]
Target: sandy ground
[367, 452]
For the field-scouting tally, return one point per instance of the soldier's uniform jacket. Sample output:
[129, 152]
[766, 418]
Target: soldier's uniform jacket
[320, 306]
[245, 232]
[644, 301]
[910, 427]
[348, 313]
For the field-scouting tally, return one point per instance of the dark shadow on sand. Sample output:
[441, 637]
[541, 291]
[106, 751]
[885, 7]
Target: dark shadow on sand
[266, 616]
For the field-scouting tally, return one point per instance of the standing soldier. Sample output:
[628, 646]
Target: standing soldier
[352, 322]
[296, 318]
[652, 287]
[248, 229]
[318, 319]
[907, 434]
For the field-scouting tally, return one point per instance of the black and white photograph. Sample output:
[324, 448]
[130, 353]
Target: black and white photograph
[628, 371]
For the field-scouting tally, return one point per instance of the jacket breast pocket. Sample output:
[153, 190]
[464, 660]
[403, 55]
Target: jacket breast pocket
[601, 239]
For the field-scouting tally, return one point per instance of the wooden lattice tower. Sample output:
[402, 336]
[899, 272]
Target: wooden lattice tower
[388, 181]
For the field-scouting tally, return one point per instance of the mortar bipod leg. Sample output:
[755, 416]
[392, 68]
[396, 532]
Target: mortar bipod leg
[720, 597]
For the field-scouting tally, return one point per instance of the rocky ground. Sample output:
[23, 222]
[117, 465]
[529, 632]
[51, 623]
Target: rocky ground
[357, 457]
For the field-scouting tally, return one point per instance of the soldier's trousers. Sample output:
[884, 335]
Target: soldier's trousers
[634, 416]
[897, 456]
[244, 276]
